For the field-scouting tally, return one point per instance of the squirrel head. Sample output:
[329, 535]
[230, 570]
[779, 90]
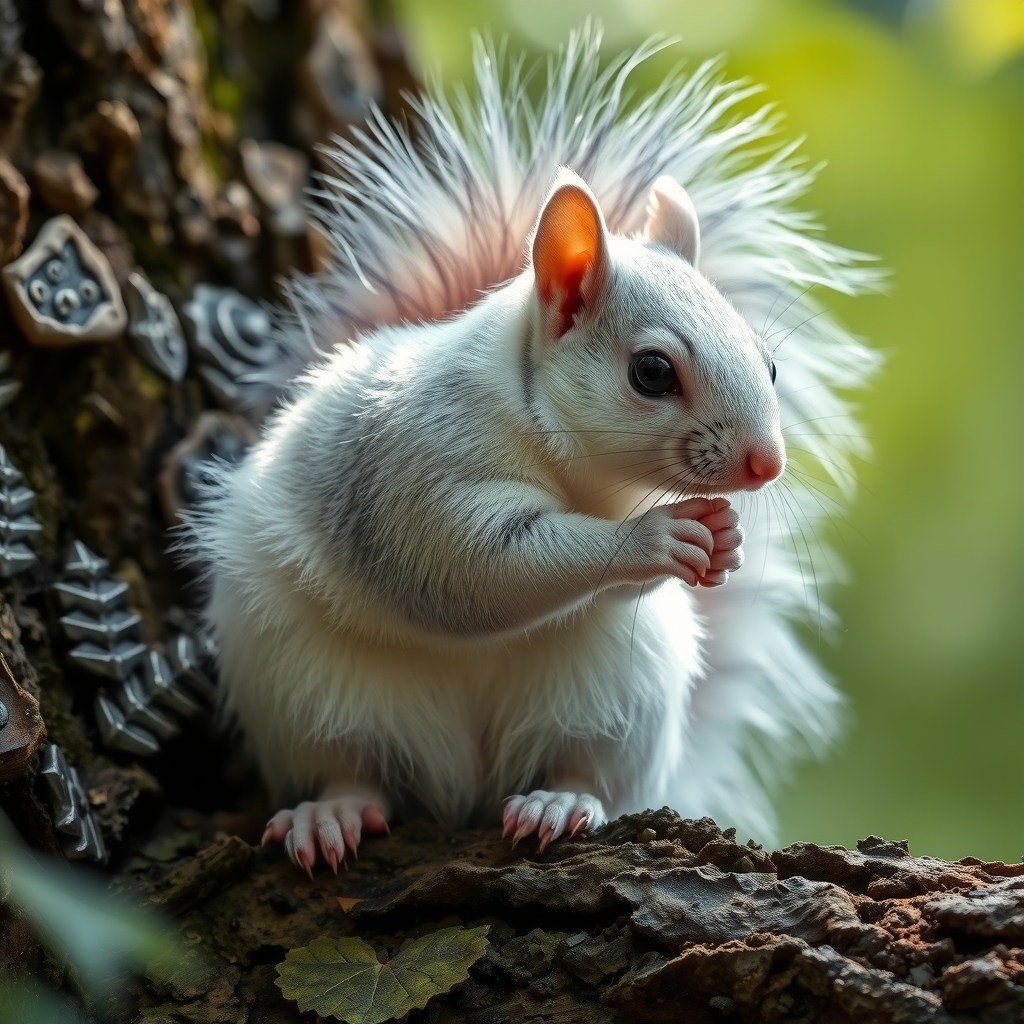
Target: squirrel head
[649, 371]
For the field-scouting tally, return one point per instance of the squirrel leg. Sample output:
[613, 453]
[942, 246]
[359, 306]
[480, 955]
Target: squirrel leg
[549, 814]
[330, 827]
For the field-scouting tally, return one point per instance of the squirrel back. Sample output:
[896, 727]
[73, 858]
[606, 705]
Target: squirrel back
[420, 228]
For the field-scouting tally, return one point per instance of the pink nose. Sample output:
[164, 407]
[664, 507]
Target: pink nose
[764, 466]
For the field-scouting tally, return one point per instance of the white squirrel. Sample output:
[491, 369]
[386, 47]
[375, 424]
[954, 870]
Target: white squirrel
[457, 567]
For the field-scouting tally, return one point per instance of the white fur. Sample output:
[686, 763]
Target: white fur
[328, 678]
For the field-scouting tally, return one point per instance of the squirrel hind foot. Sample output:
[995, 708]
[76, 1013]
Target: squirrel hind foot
[326, 830]
[550, 815]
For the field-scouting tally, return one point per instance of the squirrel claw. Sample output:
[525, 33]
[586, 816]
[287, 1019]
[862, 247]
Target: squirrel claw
[550, 815]
[332, 858]
[545, 837]
[328, 829]
[300, 859]
[510, 816]
[580, 825]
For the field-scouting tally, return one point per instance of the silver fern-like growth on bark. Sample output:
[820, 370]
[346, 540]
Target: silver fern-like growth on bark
[18, 529]
[150, 691]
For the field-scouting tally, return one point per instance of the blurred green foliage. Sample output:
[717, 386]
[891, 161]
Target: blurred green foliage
[923, 130]
[96, 937]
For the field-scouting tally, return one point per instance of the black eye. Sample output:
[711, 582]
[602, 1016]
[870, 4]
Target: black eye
[651, 374]
[773, 372]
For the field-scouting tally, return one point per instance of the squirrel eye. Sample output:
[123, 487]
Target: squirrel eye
[651, 374]
[773, 371]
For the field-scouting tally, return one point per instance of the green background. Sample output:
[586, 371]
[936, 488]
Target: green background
[925, 167]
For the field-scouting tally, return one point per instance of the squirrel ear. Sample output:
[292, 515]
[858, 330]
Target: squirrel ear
[672, 219]
[570, 252]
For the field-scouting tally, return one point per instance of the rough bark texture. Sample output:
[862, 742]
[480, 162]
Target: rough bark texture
[148, 123]
[651, 918]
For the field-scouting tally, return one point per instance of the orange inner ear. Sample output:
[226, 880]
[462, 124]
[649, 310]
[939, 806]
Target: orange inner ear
[574, 270]
[568, 238]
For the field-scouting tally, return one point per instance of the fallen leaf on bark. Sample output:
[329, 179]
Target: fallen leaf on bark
[344, 979]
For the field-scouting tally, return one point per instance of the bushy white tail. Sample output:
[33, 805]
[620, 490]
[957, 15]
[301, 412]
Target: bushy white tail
[420, 227]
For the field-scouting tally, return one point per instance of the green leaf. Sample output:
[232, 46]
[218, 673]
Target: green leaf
[342, 978]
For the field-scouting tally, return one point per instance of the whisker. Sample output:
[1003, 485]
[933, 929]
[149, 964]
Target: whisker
[609, 431]
[617, 488]
[669, 485]
[818, 457]
[632, 628]
[796, 298]
[778, 295]
[793, 515]
[816, 495]
[821, 312]
[822, 433]
[808, 387]
[615, 451]
[636, 611]
[768, 532]
[817, 419]
[806, 477]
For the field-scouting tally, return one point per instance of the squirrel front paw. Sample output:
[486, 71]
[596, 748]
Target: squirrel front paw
[727, 536]
[697, 541]
[550, 815]
[331, 827]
